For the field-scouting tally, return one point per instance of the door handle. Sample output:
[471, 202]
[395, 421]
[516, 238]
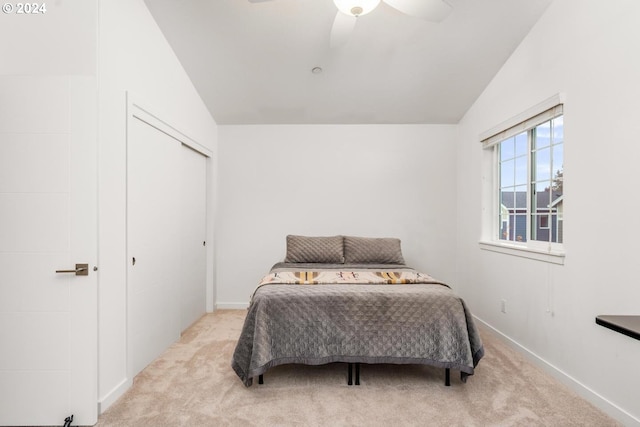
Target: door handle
[80, 270]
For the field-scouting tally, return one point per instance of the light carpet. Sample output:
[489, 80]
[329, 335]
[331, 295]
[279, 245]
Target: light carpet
[192, 384]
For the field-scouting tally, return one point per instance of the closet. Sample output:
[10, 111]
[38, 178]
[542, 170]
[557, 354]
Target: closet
[166, 236]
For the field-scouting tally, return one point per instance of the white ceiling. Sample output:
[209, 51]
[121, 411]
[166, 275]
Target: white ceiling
[252, 62]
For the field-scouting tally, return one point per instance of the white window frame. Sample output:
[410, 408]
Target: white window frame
[542, 251]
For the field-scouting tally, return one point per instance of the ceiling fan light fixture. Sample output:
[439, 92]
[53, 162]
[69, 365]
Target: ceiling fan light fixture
[356, 7]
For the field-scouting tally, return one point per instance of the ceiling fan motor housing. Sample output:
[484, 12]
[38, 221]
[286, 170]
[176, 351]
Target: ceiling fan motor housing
[356, 7]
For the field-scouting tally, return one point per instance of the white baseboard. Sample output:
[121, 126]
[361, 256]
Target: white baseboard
[582, 390]
[231, 305]
[113, 395]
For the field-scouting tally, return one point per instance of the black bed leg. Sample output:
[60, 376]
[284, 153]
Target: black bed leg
[357, 374]
[260, 379]
[447, 377]
[350, 374]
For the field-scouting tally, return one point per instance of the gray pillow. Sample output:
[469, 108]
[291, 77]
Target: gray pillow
[328, 250]
[370, 250]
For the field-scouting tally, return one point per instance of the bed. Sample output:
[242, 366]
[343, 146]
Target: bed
[353, 300]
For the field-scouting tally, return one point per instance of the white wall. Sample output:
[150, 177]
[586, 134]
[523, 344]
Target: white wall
[387, 180]
[133, 57]
[61, 41]
[589, 51]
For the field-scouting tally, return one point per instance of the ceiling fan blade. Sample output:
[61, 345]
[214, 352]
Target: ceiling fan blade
[429, 10]
[342, 27]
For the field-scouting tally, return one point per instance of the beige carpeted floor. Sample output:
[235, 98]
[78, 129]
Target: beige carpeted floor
[192, 384]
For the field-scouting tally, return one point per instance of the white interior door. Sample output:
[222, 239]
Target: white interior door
[193, 195]
[153, 216]
[48, 222]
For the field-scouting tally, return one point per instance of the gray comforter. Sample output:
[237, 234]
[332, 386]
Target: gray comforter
[422, 323]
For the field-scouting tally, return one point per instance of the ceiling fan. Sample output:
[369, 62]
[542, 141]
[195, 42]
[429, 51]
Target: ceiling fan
[350, 10]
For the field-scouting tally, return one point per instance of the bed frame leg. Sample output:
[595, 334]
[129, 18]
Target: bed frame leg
[357, 374]
[350, 374]
[447, 377]
[260, 379]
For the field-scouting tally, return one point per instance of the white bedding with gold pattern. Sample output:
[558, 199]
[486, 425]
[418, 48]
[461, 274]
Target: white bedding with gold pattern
[347, 277]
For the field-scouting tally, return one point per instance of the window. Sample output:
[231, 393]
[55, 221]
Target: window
[530, 169]
[528, 162]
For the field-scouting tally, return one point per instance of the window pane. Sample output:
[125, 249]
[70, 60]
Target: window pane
[558, 129]
[520, 228]
[541, 186]
[513, 217]
[521, 198]
[506, 208]
[558, 168]
[521, 144]
[506, 149]
[507, 176]
[542, 165]
[538, 232]
[507, 200]
[541, 201]
[547, 227]
[509, 228]
[541, 207]
[520, 171]
[503, 223]
[542, 135]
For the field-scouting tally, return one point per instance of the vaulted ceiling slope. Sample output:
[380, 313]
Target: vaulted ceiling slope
[252, 61]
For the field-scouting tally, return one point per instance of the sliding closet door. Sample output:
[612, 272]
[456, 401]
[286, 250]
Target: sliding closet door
[154, 242]
[193, 204]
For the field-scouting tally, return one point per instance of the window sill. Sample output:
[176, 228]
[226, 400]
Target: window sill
[553, 257]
